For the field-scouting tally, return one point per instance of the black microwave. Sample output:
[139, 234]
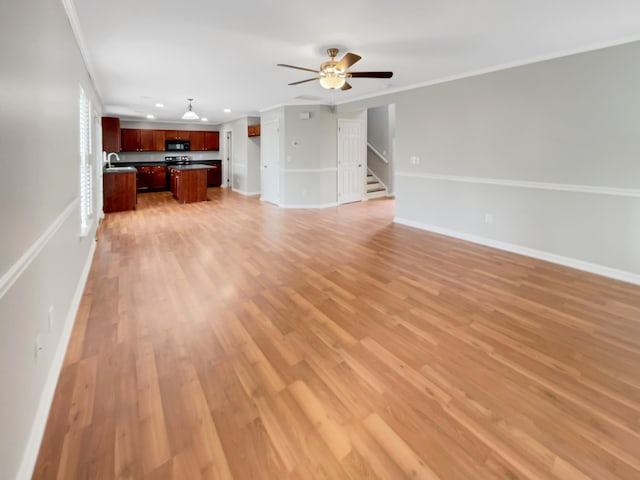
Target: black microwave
[177, 145]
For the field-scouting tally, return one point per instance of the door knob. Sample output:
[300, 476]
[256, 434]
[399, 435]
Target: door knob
[359, 164]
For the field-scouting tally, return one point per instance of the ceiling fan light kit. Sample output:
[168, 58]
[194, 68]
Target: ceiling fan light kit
[190, 114]
[333, 75]
[332, 81]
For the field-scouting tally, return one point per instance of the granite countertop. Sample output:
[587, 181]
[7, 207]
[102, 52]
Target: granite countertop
[195, 166]
[138, 164]
[120, 170]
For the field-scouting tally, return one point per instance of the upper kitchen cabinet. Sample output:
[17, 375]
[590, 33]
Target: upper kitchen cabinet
[196, 140]
[147, 140]
[110, 134]
[152, 140]
[176, 134]
[130, 139]
[211, 141]
[140, 140]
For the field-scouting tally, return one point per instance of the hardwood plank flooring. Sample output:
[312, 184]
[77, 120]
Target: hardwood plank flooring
[232, 339]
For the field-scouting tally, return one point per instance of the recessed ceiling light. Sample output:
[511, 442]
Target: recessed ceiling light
[160, 105]
[204, 119]
[227, 110]
[151, 116]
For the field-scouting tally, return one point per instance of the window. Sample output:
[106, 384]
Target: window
[86, 177]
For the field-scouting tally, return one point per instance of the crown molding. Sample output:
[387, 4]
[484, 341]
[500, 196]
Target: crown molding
[70, 10]
[501, 66]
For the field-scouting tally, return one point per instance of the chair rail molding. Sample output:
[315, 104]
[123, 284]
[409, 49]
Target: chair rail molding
[563, 187]
[10, 276]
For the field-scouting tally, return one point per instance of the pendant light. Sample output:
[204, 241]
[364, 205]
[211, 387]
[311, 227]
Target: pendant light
[190, 114]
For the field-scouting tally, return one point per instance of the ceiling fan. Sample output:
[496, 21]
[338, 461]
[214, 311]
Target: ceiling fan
[334, 74]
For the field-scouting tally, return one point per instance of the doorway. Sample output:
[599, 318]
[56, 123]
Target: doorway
[351, 158]
[270, 162]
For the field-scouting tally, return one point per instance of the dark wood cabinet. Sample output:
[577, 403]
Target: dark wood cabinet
[158, 140]
[143, 140]
[152, 177]
[110, 134]
[196, 140]
[119, 191]
[146, 141]
[130, 139]
[211, 141]
[173, 181]
[177, 134]
[214, 175]
[254, 130]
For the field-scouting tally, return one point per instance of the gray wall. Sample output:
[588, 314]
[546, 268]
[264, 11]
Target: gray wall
[309, 157]
[549, 149]
[43, 259]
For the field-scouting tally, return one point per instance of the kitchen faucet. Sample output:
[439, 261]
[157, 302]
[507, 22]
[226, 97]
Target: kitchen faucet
[109, 159]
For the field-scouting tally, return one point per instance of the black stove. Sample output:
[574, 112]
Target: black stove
[177, 160]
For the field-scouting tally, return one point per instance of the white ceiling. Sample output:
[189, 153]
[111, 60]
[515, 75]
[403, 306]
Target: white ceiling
[224, 54]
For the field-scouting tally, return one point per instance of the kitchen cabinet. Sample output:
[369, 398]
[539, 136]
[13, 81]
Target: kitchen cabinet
[119, 190]
[214, 175]
[110, 134]
[173, 181]
[142, 140]
[152, 177]
[176, 134]
[211, 141]
[130, 139]
[147, 140]
[254, 130]
[151, 141]
[196, 140]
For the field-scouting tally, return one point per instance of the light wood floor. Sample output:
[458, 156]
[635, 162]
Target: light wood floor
[234, 339]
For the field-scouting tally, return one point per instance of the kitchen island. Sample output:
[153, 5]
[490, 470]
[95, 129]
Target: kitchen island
[188, 183]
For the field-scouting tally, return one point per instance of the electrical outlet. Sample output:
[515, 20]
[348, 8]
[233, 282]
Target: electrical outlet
[413, 160]
[488, 218]
[51, 317]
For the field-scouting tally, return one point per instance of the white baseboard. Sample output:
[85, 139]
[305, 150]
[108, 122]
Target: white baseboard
[371, 196]
[46, 399]
[248, 194]
[609, 272]
[321, 205]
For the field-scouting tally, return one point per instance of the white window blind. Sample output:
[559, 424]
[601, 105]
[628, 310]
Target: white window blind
[86, 177]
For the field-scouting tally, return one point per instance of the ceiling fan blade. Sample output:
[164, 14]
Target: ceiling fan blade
[346, 86]
[371, 74]
[305, 81]
[348, 60]
[298, 68]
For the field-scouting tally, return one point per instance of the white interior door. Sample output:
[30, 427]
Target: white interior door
[351, 155]
[270, 161]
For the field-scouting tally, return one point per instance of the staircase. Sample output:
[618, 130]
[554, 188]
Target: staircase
[375, 188]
